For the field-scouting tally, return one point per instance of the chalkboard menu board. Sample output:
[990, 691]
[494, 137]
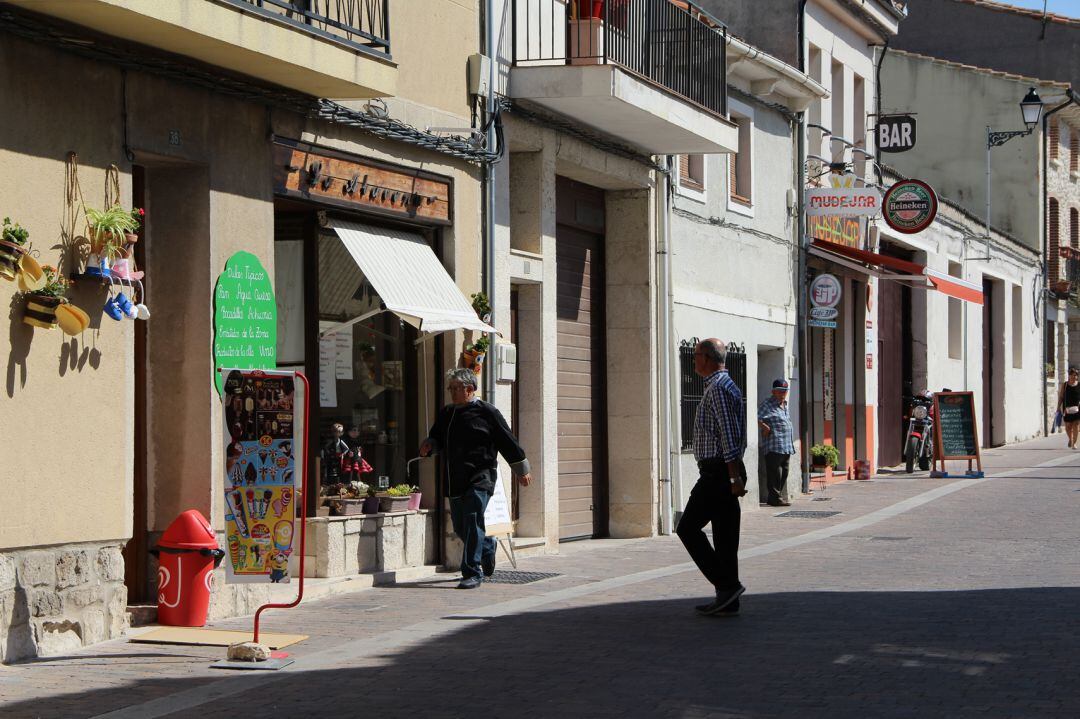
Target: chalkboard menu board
[956, 431]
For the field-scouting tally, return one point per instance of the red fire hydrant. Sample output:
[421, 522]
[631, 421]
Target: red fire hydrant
[187, 554]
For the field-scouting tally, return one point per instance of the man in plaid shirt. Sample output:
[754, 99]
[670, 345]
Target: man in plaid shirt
[775, 425]
[719, 443]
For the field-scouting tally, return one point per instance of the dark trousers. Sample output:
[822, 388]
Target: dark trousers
[776, 471]
[711, 502]
[467, 514]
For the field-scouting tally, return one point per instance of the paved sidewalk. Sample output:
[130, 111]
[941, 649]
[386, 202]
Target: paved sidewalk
[922, 597]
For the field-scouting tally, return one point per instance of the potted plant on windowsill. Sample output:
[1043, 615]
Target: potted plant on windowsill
[42, 303]
[12, 248]
[106, 235]
[414, 497]
[824, 456]
[396, 499]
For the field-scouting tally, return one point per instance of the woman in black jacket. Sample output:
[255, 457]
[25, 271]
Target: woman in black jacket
[469, 433]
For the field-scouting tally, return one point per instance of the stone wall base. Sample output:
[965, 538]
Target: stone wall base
[56, 599]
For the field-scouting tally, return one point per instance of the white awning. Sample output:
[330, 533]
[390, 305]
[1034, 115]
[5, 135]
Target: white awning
[408, 277]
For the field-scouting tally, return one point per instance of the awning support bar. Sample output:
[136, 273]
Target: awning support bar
[338, 327]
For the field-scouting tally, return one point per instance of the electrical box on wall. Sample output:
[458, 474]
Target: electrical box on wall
[505, 363]
[479, 75]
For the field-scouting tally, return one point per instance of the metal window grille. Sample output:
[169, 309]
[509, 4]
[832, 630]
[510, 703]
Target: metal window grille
[692, 386]
[360, 24]
[676, 46]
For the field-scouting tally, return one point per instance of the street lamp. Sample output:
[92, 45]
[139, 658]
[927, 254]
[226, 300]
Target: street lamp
[1031, 108]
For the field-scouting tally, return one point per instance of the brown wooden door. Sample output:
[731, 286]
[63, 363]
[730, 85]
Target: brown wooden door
[581, 405]
[890, 373]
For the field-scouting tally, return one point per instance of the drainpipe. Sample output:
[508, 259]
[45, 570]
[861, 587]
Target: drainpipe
[670, 487]
[802, 340]
[490, 35]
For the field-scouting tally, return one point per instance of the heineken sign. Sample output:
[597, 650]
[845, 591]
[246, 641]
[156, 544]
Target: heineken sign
[909, 206]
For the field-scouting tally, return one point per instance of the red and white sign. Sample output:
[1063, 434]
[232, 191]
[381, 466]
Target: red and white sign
[843, 201]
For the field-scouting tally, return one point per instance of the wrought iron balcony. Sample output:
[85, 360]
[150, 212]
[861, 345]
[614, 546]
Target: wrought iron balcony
[671, 44]
[363, 25]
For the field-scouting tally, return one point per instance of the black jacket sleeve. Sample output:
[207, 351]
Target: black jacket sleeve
[437, 435]
[507, 444]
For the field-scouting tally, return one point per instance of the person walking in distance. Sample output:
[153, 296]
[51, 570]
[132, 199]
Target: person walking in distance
[775, 425]
[1069, 405]
[469, 432]
[719, 443]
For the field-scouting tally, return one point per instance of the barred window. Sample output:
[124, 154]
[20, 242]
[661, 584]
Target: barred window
[692, 386]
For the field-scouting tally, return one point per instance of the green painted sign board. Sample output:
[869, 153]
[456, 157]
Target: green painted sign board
[957, 434]
[245, 317]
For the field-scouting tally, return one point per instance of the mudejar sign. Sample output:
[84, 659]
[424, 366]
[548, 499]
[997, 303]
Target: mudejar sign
[843, 201]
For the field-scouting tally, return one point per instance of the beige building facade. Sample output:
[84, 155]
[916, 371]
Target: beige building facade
[212, 122]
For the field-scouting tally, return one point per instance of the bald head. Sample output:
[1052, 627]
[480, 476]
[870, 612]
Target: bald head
[710, 355]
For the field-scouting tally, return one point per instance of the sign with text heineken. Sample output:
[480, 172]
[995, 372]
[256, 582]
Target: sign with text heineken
[910, 206]
[245, 317]
[843, 201]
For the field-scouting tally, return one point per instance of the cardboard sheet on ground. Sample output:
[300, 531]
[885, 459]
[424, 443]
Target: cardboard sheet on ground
[200, 636]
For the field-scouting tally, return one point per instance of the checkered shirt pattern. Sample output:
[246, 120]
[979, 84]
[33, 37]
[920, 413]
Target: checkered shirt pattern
[775, 414]
[720, 422]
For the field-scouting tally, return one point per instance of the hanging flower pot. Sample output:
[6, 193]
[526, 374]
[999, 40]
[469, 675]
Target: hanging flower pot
[71, 319]
[41, 310]
[12, 248]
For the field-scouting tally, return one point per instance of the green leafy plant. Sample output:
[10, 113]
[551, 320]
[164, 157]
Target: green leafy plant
[109, 227]
[414, 489]
[825, 454]
[137, 215]
[399, 490]
[481, 345]
[358, 489]
[56, 285]
[372, 491]
[480, 304]
[14, 233]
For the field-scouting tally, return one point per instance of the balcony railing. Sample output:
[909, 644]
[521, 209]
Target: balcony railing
[672, 44]
[360, 24]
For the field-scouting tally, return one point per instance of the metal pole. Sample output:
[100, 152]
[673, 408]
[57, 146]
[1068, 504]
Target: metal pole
[303, 510]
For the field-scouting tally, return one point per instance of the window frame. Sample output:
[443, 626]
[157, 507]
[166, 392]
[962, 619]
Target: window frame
[743, 116]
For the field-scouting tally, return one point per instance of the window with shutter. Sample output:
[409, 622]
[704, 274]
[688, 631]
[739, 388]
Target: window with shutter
[1055, 139]
[1074, 228]
[740, 165]
[1053, 262]
[692, 172]
[1074, 151]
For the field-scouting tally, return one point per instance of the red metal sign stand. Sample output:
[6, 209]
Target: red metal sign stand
[303, 510]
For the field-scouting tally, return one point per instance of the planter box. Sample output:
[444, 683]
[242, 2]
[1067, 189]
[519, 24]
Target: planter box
[393, 504]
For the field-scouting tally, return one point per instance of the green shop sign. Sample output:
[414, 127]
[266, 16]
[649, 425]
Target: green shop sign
[245, 317]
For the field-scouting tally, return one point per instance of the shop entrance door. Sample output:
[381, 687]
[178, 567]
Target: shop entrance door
[582, 406]
[890, 373]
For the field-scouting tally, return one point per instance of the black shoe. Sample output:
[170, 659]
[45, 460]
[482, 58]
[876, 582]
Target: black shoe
[724, 599]
[731, 610]
[488, 565]
[779, 503]
[470, 582]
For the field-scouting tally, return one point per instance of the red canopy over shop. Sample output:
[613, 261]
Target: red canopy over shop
[892, 268]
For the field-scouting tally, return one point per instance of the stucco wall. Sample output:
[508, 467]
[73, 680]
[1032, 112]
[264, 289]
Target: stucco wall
[954, 107]
[1017, 390]
[734, 270]
[66, 412]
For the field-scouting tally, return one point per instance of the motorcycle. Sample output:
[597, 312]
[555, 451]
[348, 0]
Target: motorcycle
[919, 445]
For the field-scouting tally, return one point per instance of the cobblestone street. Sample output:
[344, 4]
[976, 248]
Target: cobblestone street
[921, 597]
